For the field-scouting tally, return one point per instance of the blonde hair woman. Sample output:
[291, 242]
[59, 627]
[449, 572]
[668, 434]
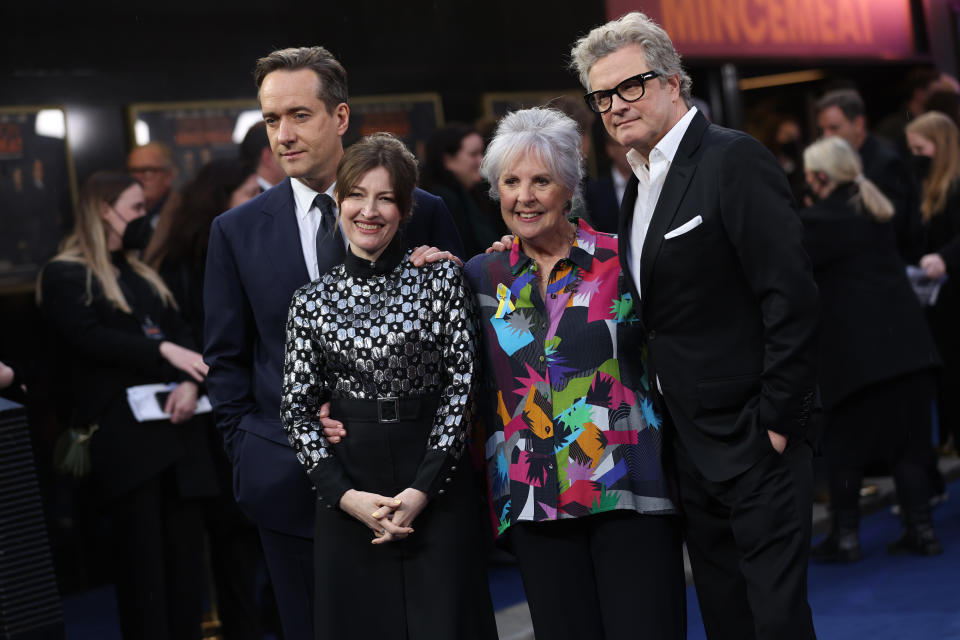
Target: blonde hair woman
[933, 139]
[831, 162]
[117, 326]
[877, 358]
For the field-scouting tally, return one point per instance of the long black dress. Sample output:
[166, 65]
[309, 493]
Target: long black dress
[393, 347]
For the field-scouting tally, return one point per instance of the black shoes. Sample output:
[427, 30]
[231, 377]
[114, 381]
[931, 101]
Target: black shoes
[918, 540]
[839, 546]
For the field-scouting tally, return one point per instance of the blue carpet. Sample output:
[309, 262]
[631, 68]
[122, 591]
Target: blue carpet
[884, 597]
[506, 587]
[880, 598]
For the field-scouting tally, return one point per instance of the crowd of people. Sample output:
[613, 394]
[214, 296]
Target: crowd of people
[596, 371]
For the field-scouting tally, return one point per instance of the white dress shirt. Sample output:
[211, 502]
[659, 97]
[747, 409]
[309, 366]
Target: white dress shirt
[651, 179]
[308, 221]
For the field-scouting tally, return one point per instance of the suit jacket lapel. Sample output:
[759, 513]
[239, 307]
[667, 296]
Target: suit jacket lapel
[678, 179]
[624, 224]
[282, 235]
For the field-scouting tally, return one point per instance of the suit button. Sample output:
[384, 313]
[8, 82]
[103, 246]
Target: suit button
[542, 358]
[441, 492]
[329, 507]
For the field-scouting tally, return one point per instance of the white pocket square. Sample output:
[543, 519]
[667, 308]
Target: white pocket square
[692, 223]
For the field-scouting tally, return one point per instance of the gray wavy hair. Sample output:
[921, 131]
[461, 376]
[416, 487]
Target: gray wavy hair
[633, 28]
[549, 134]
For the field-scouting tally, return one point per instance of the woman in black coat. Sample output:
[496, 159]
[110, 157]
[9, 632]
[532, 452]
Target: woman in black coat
[933, 139]
[877, 359]
[451, 170]
[117, 326]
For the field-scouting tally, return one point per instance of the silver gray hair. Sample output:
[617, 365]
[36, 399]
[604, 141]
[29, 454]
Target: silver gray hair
[633, 28]
[549, 134]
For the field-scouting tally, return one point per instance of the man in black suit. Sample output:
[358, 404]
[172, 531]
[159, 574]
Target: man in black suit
[726, 297]
[842, 113]
[259, 254]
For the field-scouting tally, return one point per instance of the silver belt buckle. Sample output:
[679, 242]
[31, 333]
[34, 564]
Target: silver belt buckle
[388, 409]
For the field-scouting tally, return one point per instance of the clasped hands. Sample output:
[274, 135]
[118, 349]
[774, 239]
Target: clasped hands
[390, 519]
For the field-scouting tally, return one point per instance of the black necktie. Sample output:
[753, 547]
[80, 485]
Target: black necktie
[329, 241]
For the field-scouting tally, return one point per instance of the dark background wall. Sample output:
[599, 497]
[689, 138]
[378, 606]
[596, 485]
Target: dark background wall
[97, 57]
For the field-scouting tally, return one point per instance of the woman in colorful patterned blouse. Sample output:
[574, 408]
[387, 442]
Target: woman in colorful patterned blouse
[573, 448]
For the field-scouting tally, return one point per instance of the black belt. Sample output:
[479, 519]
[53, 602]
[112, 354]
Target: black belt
[390, 409]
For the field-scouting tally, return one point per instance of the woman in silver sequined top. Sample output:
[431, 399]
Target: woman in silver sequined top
[392, 347]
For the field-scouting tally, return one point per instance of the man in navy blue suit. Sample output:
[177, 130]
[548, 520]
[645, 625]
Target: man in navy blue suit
[259, 254]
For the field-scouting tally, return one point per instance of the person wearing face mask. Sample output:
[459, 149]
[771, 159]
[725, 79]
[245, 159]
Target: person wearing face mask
[451, 170]
[933, 140]
[877, 360]
[117, 326]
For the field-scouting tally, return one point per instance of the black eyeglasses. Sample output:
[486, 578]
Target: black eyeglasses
[630, 90]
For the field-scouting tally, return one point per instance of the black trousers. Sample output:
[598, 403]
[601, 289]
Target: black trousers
[888, 422]
[749, 539]
[608, 576]
[157, 540]
[290, 564]
[235, 552]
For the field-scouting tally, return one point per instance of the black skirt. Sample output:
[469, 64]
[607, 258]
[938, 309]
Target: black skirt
[433, 584]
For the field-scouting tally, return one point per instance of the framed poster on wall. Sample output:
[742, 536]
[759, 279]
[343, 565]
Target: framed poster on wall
[497, 105]
[411, 117]
[37, 191]
[197, 132]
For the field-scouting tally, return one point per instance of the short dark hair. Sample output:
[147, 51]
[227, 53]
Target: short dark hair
[947, 103]
[445, 141]
[379, 150]
[920, 78]
[254, 142]
[332, 85]
[847, 100]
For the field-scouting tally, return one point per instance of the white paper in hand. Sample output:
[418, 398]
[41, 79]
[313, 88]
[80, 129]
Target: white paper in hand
[145, 404]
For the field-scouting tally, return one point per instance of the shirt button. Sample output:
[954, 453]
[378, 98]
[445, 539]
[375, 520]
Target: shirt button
[440, 493]
[550, 466]
[652, 335]
[542, 358]
[447, 480]
[453, 468]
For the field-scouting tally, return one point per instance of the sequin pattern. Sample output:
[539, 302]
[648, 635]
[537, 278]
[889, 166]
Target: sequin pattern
[406, 333]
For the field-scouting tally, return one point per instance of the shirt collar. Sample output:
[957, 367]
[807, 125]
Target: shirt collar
[264, 185]
[668, 144]
[387, 262]
[304, 195]
[581, 252]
